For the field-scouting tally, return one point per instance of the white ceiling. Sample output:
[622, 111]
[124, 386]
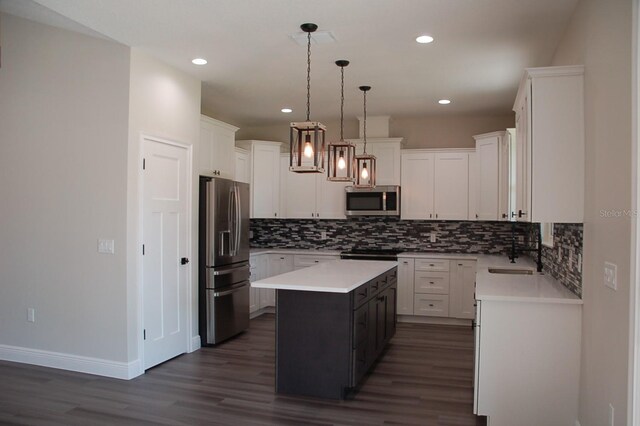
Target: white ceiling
[481, 48]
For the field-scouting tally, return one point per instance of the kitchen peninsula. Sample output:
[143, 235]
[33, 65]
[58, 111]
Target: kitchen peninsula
[333, 321]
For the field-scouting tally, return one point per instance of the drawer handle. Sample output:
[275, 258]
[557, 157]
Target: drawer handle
[431, 305]
[431, 264]
[431, 282]
[316, 261]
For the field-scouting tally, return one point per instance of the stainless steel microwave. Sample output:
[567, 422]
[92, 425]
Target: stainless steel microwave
[378, 201]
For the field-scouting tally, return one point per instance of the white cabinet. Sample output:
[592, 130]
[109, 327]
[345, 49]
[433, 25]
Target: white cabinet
[387, 152]
[473, 187]
[276, 264]
[405, 295]
[416, 201]
[311, 195]
[243, 165]
[301, 261]
[487, 160]
[519, 348]
[462, 291]
[436, 287]
[217, 148]
[550, 149]
[451, 193]
[505, 171]
[435, 185]
[259, 297]
[265, 177]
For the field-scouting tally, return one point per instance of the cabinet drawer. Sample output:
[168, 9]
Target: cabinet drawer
[376, 285]
[434, 305]
[432, 282]
[360, 295]
[303, 260]
[392, 277]
[360, 324]
[438, 265]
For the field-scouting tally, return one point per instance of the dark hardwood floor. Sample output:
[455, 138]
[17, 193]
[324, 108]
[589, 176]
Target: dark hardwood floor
[425, 378]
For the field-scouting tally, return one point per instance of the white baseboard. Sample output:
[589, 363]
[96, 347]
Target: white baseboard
[82, 364]
[265, 310]
[196, 343]
[418, 319]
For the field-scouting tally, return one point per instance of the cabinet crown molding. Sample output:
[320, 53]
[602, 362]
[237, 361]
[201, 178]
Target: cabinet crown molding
[540, 72]
[218, 123]
[436, 150]
[377, 140]
[499, 133]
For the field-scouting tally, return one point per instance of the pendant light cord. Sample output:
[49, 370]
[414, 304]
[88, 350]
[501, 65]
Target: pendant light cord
[365, 122]
[308, 75]
[342, 105]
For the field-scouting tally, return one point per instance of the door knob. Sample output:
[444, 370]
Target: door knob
[184, 261]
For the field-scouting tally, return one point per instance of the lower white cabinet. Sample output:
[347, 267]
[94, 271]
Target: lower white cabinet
[527, 362]
[436, 287]
[258, 297]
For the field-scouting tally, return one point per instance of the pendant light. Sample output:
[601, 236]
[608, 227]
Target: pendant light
[306, 138]
[341, 154]
[365, 163]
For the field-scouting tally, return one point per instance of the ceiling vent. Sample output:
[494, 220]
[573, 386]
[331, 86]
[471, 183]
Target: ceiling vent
[318, 37]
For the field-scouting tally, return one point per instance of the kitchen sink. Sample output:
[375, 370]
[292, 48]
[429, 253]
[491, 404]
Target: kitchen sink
[510, 271]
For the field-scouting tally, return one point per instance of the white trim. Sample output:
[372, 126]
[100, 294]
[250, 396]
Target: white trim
[140, 279]
[219, 123]
[420, 319]
[82, 364]
[435, 150]
[633, 398]
[196, 343]
[497, 134]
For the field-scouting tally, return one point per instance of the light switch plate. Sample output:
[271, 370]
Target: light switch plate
[106, 246]
[611, 275]
[433, 237]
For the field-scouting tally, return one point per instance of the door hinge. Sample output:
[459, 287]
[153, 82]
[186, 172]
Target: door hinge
[143, 249]
[144, 334]
[144, 163]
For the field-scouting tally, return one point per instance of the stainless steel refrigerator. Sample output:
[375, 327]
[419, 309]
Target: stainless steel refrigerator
[223, 259]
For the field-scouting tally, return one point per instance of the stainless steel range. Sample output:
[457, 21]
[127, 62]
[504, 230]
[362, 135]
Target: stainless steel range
[370, 254]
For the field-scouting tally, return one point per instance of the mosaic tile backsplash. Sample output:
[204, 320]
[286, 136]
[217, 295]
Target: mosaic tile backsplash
[393, 233]
[563, 260]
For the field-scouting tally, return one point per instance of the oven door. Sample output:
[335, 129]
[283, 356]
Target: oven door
[381, 201]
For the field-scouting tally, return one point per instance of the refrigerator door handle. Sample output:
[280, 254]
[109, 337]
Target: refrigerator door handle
[238, 219]
[230, 218]
[232, 289]
[230, 270]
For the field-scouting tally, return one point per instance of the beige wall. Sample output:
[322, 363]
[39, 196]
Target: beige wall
[63, 165]
[164, 103]
[439, 131]
[600, 36]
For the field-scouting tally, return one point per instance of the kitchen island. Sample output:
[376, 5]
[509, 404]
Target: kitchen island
[333, 322]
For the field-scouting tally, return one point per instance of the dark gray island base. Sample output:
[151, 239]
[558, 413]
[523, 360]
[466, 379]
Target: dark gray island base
[326, 342]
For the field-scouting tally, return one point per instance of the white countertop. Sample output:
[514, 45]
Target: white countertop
[310, 252]
[427, 255]
[540, 288]
[337, 276]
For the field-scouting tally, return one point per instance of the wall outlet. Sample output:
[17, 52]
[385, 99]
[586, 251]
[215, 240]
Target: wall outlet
[611, 275]
[31, 315]
[250, 234]
[432, 237]
[611, 414]
[579, 262]
[323, 235]
[570, 257]
[106, 246]
[559, 253]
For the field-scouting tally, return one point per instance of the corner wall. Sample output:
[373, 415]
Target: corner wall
[600, 37]
[63, 163]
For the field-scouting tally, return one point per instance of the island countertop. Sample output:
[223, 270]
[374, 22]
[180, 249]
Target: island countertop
[337, 276]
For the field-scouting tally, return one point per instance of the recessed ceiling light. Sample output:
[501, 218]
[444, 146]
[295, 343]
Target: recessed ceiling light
[286, 110]
[199, 61]
[444, 101]
[424, 39]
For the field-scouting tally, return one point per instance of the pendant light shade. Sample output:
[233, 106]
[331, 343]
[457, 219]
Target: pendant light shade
[365, 163]
[341, 154]
[307, 138]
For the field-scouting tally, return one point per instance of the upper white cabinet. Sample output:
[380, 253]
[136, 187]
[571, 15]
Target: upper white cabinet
[311, 195]
[492, 176]
[265, 177]
[435, 185]
[387, 152]
[243, 166]
[451, 193]
[549, 111]
[217, 148]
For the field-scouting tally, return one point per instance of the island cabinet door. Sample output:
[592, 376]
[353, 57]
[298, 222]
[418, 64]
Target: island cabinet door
[390, 312]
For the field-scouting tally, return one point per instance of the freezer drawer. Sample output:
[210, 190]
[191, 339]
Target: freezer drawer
[227, 311]
[227, 275]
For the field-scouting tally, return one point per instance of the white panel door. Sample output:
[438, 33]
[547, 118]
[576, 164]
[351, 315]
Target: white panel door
[487, 179]
[330, 198]
[417, 180]
[300, 195]
[165, 225]
[451, 194]
[266, 181]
